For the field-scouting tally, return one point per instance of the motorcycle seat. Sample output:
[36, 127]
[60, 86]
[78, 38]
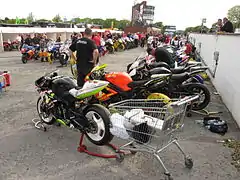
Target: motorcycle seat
[179, 77]
[135, 84]
[178, 70]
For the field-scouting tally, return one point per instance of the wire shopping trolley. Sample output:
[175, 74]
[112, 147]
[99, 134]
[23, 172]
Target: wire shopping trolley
[150, 126]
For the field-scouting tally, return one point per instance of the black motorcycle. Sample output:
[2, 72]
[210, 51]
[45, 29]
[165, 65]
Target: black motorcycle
[177, 85]
[63, 102]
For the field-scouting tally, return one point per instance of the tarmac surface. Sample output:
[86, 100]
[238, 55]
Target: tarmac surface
[30, 154]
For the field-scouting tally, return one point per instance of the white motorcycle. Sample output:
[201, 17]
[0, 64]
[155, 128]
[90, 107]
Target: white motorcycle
[64, 53]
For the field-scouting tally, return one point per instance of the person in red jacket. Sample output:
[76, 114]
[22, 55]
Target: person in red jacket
[97, 39]
[188, 48]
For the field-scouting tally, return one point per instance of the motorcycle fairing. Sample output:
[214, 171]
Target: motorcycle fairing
[90, 88]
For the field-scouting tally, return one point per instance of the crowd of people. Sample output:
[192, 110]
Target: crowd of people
[224, 25]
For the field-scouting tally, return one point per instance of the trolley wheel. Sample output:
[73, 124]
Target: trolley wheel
[169, 178]
[133, 152]
[120, 157]
[189, 114]
[188, 162]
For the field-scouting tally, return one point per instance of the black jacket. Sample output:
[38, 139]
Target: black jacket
[227, 27]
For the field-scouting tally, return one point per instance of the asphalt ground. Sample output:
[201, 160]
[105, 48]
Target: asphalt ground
[30, 154]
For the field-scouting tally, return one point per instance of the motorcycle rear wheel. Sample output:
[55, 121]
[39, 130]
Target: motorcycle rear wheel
[201, 90]
[100, 117]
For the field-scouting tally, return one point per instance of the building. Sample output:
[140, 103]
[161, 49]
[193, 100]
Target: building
[142, 14]
[170, 29]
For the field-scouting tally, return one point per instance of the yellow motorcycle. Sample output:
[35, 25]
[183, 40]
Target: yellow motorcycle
[119, 45]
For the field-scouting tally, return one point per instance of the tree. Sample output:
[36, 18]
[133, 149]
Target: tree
[122, 24]
[108, 23]
[57, 18]
[196, 29]
[158, 25]
[30, 17]
[234, 16]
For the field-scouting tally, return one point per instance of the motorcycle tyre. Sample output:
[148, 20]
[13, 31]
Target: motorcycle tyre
[62, 60]
[105, 115]
[46, 122]
[24, 59]
[207, 94]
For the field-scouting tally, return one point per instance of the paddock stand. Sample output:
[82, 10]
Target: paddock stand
[119, 155]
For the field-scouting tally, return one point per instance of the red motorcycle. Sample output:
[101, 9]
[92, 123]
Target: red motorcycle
[29, 53]
[7, 46]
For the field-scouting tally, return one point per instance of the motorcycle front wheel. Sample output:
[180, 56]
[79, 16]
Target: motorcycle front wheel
[63, 58]
[43, 112]
[24, 58]
[99, 118]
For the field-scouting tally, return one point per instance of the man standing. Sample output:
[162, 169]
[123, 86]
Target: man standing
[87, 55]
[227, 26]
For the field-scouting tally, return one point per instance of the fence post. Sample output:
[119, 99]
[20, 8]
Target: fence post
[1, 42]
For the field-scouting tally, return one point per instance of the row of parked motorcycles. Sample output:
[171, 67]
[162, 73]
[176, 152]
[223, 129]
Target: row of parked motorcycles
[51, 52]
[119, 44]
[62, 101]
[146, 78]
[10, 45]
[60, 51]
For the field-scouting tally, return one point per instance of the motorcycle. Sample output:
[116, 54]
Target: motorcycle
[7, 45]
[121, 86]
[177, 85]
[110, 46]
[118, 45]
[29, 53]
[142, 63]
[62, 102]
[53, 49]
[64, 53]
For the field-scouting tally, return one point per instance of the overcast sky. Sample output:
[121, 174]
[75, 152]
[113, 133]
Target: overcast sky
[182, 13]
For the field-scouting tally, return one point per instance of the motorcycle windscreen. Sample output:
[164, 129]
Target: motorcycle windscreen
[133, 73]
[90, 88]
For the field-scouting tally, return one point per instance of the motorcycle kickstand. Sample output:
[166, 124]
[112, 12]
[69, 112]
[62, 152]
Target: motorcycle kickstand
[39, 124]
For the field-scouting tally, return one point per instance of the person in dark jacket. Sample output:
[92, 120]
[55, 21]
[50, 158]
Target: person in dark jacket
[28, 40]
[162, 55]
[227, 26]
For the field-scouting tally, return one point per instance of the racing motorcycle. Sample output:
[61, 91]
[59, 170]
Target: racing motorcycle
[121, 86]
[29, 53]
[53, 50]
[109, 45]
[62, 101]
[176, 85]
[64, 53]
[143, 62]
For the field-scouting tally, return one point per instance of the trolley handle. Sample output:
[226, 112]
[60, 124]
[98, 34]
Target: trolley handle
[185, 100]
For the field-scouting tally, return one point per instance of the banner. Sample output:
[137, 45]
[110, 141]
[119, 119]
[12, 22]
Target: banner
[26, 21]
[17, 21]
[112, 25]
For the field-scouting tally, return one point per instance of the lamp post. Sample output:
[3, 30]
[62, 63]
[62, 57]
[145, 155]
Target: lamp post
[204, 20]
